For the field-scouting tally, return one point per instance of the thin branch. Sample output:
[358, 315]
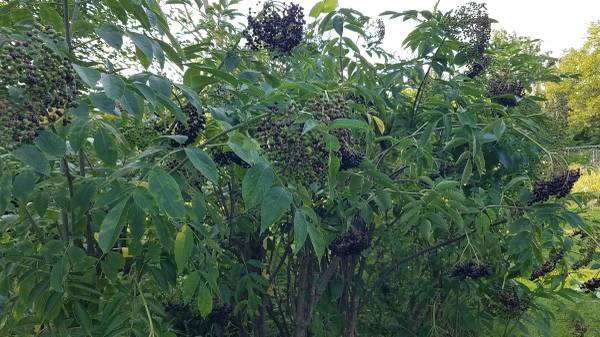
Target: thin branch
[387, 272]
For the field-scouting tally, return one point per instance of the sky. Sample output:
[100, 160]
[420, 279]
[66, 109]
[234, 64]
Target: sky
[560, 24]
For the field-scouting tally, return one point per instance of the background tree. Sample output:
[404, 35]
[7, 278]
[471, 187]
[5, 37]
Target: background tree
[581, 91]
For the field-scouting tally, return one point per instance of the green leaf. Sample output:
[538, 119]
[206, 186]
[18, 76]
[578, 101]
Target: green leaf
[467, 173]
[316, 10]
[275, 204]
[205, 301]
[103, 102]
[184, 246]
[83, 318]
[244, 148]
[300, 229]
[59, 273]
[329, 5]
[50, 17]
[143, 44]
[89, 75]
[30, 155]
[132, 102]
[111, 35]
[195, 70]
[24, 184]
[427, 133]
[111, 227]
[166, 192]
[78, 133]
[189, 286]
[257, 182]
[317, 238]
[5, 190]
[113, 85]
[338, 24]
[345, 123]
[446, 185]
[50, 143]
[172, 54]
[515, 181]
[198, 210]
[105, 146]
[203, 163]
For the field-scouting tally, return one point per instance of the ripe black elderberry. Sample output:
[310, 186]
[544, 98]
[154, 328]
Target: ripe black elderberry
[226, 158]
[471, 26]
[579, 328]
[471, 269]
[185, 320]
[352, 242]
[548, 266]
[558, 185]
[278, 27]
[350, 158]
[196, 123]
[591, 285]
[505, 91]
[508, 304]
[42, 83]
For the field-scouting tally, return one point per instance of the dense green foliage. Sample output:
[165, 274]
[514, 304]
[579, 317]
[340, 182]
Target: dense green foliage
[193, 183]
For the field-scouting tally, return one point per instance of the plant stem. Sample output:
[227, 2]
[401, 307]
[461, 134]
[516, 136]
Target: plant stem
[34, 225]
[67, 24]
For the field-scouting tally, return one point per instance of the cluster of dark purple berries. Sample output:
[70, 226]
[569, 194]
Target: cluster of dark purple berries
[445, 169]
[505, 91]
[304, 157]
[558, 185]
[471, 26]
[328, 108]
[224, 158]
[184, 319]
[508, 304]
[579, 328]
[220, 315]
[301, 158]
[548, 266]
[196, 123]
[36, 84]
[471, 269]
[278, 27]
[352, 242]
[591, 285]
